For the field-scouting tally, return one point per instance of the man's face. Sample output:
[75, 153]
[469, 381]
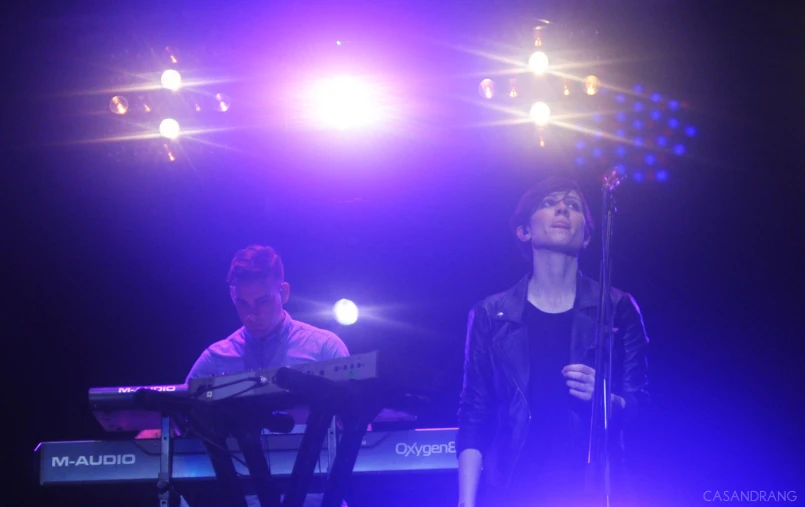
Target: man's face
[259, 304]
[558, 223]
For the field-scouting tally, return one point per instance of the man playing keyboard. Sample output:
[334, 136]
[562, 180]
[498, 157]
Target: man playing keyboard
[269, 337]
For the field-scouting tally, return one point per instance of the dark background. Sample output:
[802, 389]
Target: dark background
[114, 270]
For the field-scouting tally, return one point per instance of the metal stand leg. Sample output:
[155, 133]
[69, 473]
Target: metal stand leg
[309, 451]
[355, 425]
[221, 459]
[167, 496]
[259, 471]
[332, 443]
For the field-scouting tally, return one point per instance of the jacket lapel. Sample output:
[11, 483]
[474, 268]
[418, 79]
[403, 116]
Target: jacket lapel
[511, 339]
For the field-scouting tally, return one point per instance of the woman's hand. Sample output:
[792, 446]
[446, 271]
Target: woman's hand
[580, 379]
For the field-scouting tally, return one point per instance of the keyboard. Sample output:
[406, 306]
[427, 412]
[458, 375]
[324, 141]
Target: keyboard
[370, 366]
[116, 410]
[119, 461]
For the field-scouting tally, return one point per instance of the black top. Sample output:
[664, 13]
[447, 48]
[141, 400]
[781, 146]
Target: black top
[546, 457]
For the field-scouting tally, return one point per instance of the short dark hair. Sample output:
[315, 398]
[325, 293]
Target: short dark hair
[533, 198]
[255, 262]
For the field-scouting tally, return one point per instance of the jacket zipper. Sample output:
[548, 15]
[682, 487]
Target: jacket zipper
[528, 408]
[527, 429]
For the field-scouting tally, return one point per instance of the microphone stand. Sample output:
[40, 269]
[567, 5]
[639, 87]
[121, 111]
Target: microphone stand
[598, 459]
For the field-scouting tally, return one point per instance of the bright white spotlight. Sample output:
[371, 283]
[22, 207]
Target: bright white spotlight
[169, 128]
[171, 80]
[540, 113]
[344, 102]
[538, 63]
[345, 312]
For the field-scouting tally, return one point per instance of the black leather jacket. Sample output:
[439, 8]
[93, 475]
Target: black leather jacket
[494, 414]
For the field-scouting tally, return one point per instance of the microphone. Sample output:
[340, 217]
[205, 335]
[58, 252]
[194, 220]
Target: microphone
[613, 179]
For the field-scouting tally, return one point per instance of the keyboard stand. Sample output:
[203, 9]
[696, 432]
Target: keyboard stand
[318, 424]
[168, 405]
[357, 404]
[357, 415]
[168, 497]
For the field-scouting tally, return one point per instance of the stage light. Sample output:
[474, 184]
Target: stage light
[538, 36]
[344, 102]
[673, 123]
[538, 63]
[656, 97]
[487, 88]
[679, 150]
[171, 80]
[591, 85]
[673, 105]
[169, 153]
[513, 88]
[690, 131]
[222, 102]
[145, 103]
[169, 128]
[662, 175]
[540, 113]
[655, 115]
[345, 312]
[172, 54]
[662, 141]
[119, 104]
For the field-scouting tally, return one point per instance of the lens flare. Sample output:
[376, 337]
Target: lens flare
[591, 85]
[513, 88]
[487, 88]
[222, 102]
[119, 104]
